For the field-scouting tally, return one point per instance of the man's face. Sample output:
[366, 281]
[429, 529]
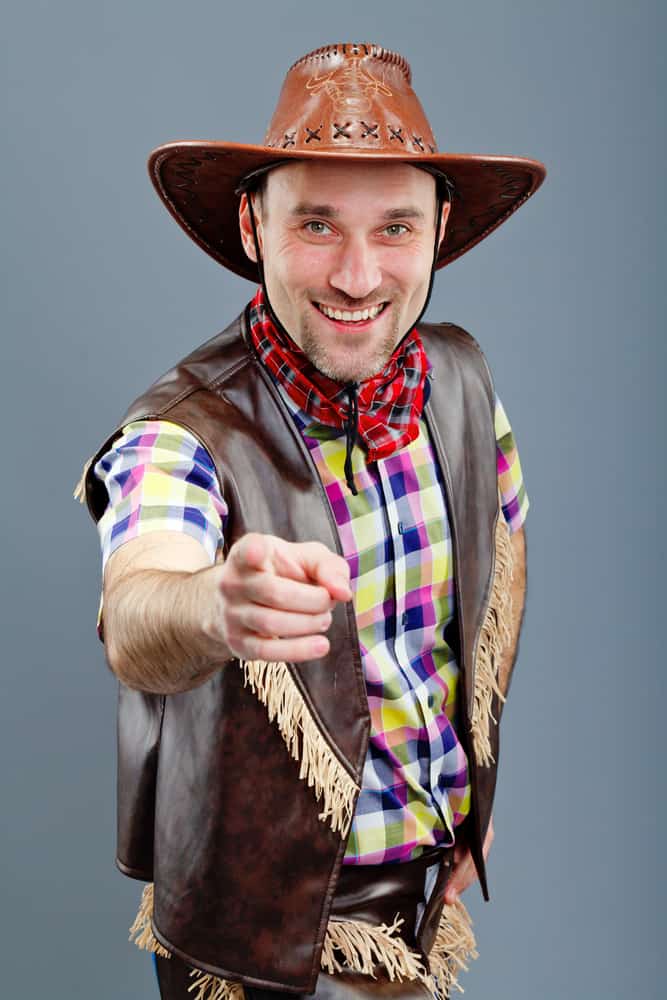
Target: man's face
[347, 251]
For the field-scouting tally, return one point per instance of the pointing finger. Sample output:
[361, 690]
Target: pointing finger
[328, 569]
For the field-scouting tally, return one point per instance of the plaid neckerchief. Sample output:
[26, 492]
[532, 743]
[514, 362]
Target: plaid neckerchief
[384, 410]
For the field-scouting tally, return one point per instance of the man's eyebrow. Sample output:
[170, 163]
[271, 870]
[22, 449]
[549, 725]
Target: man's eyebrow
[330, 212]
[409, 212]
[309, 208]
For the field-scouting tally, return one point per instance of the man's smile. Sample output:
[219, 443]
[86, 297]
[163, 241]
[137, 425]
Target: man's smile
[357, 317]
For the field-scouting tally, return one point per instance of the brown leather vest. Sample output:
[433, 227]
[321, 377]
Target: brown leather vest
[210, 805]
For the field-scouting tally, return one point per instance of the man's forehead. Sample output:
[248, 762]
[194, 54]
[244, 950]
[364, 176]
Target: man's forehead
[331, 182]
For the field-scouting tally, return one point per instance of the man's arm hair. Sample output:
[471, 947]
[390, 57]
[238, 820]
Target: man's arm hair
[518, 591]
[155, 614]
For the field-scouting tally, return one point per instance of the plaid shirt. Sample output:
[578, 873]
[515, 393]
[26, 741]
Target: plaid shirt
[396, 539]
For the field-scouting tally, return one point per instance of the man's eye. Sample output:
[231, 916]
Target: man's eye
[396, 229]
[317, 228]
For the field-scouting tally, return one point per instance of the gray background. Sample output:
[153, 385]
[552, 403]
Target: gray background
[104, 292]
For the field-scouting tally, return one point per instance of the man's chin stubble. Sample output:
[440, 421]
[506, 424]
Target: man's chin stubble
[353, 369]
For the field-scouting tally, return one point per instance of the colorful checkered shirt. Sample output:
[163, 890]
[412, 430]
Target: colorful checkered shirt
[396, 539]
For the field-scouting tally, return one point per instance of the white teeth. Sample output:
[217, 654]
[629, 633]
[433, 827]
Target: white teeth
[350, 317]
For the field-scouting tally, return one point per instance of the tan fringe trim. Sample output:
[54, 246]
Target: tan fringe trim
[320, 768]
[141, 930]
[495, 636]
[213, 988]
[80, 488]
[361, 947]
[453, 947]
[210, 987]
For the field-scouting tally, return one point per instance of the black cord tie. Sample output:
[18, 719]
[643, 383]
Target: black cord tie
[351, 433]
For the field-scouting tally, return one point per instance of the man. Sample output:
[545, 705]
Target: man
[314, 561]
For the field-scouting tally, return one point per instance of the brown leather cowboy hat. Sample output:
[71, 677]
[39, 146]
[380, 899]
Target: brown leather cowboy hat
[351, 101]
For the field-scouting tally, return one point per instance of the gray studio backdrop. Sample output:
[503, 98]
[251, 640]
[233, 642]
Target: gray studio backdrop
[104, 292]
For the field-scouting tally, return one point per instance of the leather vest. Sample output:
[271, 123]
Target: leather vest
[212, 806]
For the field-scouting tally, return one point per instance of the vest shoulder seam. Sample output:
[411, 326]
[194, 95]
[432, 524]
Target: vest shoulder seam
[203, 386]
[465, 337]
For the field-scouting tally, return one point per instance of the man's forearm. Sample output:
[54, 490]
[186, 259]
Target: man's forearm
[155, 631]
[518, 592]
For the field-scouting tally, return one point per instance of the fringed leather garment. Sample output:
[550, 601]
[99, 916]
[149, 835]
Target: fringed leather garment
[235, 798]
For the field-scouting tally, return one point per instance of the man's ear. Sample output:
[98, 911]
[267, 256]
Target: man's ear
[245, 227]
[444, 217]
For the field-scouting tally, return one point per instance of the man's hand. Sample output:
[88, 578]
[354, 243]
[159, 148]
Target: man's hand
[273, 599]
[171, 619]
[464, 872]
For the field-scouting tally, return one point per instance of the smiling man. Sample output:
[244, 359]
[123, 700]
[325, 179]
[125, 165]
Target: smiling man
[314, 562]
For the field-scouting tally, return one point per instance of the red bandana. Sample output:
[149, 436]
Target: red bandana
[384, 409]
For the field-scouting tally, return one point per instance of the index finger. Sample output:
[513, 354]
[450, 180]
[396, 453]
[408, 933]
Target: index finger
[322, 566]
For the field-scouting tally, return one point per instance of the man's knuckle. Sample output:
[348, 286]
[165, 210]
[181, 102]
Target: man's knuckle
[241, 546]
[236, 550]
[260, 620]
[234, 638]
[258, 647]
[271, 591]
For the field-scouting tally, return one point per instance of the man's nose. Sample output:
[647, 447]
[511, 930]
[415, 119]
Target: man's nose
[356, 271]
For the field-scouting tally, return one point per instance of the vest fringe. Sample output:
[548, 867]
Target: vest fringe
[495, 635]
[362, 947]
[80, 488]
[213, 988]
[319, 767]
[350, 945]
[141, 930]
[453, 947]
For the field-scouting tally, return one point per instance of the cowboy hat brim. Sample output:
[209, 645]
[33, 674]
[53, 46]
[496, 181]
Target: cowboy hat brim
[198, 181]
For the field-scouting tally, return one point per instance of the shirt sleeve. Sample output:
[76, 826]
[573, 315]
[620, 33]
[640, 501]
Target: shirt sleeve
[159, 477]
[515, 502]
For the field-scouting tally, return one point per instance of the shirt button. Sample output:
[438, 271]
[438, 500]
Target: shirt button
[401, 527]
[431, 701]
[404, 619]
